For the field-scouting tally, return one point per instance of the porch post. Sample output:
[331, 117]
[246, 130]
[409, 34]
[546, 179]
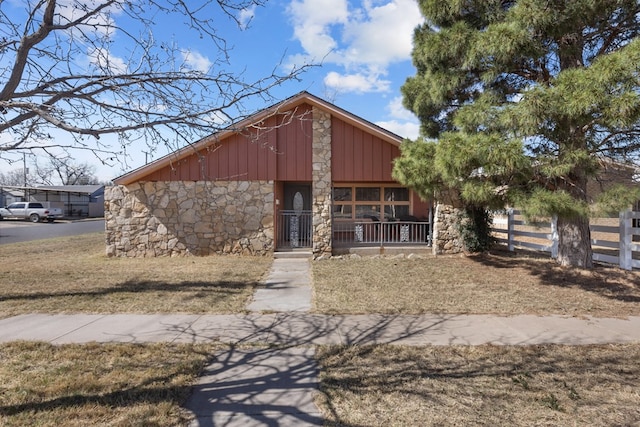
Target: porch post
[321, 184]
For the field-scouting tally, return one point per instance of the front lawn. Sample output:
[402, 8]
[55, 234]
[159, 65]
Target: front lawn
[550, 385]
[73, 275]
[97, 384]
[500, 283]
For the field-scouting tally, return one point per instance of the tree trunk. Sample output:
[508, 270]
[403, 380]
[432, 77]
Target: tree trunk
[574, 235]
[574, 242]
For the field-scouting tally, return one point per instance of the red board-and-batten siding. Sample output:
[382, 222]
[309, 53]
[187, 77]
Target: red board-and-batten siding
[358, 156]
[282, 151]
[279, 149]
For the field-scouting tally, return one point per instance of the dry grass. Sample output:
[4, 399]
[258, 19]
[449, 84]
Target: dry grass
[97, 384]
[74, 275]
[500, 283]
[491, 386]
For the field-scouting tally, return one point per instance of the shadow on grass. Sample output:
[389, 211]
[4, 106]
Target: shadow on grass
[120, 398]
[608, 282]
[506, 379]
[135, 286]
[152, 391]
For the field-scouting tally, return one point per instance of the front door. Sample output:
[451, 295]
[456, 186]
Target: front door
[295, 222]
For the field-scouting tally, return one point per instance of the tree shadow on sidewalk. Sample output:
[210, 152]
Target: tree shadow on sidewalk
[270, 375]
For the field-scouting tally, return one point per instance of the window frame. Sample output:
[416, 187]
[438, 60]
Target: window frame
[381, 203]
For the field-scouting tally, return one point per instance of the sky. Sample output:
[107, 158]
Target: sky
[363, 48]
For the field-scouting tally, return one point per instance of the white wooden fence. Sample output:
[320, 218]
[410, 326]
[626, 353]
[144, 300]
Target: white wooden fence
[614, 240]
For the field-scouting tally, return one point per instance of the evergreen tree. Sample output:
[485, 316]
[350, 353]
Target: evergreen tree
[520, 103]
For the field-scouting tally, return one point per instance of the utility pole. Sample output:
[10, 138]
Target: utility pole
[24, 174]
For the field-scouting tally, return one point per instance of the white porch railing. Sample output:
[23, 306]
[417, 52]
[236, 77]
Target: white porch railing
[368, 233]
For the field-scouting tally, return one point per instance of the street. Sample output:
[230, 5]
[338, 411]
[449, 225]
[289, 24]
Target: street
[13, 231]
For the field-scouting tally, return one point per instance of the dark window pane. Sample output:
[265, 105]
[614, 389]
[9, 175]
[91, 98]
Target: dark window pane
[396, 194]
[342, 194]
[368, 212]
[342, 211]
[396, 211]
[367, 194]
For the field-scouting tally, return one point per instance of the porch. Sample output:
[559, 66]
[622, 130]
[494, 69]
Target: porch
[295, 231]
[374, 233]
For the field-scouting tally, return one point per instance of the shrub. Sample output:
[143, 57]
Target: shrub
[474, 226]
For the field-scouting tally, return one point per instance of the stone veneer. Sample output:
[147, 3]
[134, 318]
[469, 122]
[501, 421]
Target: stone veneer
[446, 237]
[178, 218]
[321, 187]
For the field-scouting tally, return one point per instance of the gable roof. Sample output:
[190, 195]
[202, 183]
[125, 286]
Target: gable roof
[286, 105]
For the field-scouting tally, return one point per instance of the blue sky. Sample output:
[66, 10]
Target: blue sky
[364, 48]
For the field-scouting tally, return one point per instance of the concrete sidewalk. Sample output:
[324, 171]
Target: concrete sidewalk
[293, 329]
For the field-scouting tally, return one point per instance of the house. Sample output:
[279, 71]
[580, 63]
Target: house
[301, 174]
[9, 195]
[613, 173]
[74, 200]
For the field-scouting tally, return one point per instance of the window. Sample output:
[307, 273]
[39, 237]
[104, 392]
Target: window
[342, 194]
[367, 194]
[342, 211]
[377, 203]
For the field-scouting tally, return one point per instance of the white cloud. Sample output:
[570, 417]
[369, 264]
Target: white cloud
[397, 110]
[218, 118]
[383, 35]
[196, 61]
[363, 40]
[102, 22]
[409, 130]
[360, 83]
[312, 24]
[103, 59]
[246, 15]
[404, 122]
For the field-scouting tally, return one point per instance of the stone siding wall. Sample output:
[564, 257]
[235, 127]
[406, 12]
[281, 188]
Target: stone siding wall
[180, 218]
[446, 237]
[321, 177]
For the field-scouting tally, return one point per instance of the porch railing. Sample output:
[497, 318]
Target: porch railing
[294, 229]
[381, 233]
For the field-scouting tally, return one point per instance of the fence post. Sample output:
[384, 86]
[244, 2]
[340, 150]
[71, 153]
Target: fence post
[554, 237]
[625, 256]
[510, 229]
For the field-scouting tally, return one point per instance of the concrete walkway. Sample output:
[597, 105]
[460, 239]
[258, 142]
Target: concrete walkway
[287, 288]
[263, 386]
[258, 387]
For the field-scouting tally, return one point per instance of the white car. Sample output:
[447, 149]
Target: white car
[33, 211]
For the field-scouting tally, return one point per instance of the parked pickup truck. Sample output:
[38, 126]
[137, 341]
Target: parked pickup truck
[33, 211]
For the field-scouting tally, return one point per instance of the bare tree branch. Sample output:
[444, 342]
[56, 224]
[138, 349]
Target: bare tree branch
[63, 71]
